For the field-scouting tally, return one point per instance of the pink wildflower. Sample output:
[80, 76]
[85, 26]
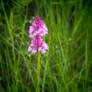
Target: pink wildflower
[37, 44]
[38, 27]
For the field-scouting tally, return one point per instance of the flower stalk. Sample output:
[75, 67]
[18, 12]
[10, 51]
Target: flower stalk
[38, 72]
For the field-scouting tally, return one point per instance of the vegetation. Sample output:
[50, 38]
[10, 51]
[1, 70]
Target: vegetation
[66, 67]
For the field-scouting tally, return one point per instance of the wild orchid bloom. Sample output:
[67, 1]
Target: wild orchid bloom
[38, 27]
[37, 44]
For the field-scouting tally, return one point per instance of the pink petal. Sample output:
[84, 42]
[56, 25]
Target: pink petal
[29, 49]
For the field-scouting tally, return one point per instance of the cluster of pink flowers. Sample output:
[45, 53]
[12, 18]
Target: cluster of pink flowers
[36, 31]
[38, 27]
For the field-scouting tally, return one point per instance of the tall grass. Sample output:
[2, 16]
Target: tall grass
[66, 67]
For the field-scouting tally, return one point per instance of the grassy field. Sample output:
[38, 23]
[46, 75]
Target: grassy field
[66, 67]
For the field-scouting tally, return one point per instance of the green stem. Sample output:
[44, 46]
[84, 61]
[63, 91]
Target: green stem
[38, 72]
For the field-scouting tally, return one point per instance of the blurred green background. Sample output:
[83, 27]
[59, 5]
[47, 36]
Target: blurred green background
[66, 67]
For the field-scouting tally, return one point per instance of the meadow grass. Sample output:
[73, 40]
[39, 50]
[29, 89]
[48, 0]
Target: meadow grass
[66, 67]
